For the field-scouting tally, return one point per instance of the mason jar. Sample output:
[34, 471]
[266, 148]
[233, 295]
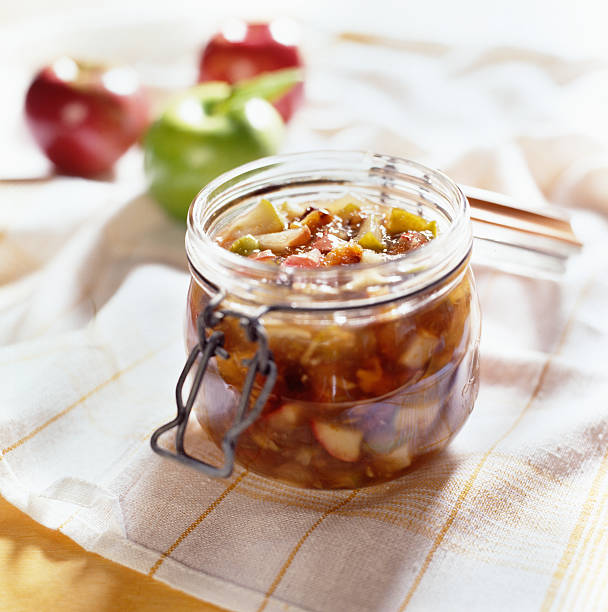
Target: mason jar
[333, 377]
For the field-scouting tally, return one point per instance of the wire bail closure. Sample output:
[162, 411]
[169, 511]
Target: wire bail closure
[209, 346]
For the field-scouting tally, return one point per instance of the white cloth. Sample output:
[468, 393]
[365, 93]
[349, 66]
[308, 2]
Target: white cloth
[511, 516]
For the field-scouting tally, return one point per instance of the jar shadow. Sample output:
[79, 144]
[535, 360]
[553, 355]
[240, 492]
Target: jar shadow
[394, 524]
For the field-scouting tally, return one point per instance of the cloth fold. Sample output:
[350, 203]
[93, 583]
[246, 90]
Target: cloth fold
[511, 516]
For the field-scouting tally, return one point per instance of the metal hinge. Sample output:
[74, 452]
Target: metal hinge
[211, 344]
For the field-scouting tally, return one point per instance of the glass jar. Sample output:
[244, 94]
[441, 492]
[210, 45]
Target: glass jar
[376, 364]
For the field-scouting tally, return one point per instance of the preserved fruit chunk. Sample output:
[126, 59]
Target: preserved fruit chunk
[329, 345]
[327, 242]
[419, 351]
[245, 245]
[371, 377]
[396, 460]
[371, 257]
[286, 417]
[293, 210]
[371, 233]
[346, 254]
[266, 255]
[310, 259]
[408, 241]
[316, 218]
[401, 220]
[350, 213]
[280, 242]
[262, 218]
[340, 442]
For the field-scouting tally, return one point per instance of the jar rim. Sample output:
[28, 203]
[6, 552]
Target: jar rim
[320, 288]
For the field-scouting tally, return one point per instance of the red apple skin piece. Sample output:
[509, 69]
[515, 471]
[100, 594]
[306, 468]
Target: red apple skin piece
[310, 259]
[257, 51]
[82, 126]
[266, 255]
[340, 442]
[327, 242]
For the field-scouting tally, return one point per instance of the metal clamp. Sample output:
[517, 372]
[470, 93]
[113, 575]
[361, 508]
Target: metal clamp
[212, 345]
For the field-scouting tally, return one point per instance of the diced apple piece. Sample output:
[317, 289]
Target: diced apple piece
[304, 455]
[327, 242]
[412, 239]
[409, 241]
[370, 241]
[262, 440]
[288, 333]
[279, 242]
[398, 459]
[310, 259]
[419, 350]
[344, 205]
[317, 218]
[344, 254]
[284, 418]
[369, 378]
[340, 442]
[293, 210]
[266, 255]
[401, 220]
[245, 245]
[371, 233]
[329, 345]
[371, 257]
[261, 219]
[350, 212]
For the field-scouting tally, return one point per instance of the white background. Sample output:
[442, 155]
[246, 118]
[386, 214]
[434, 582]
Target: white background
[571, 27]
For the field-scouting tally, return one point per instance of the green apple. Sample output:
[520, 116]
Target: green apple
[210, 129]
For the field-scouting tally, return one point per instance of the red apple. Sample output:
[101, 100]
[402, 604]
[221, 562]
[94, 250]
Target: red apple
[241, 51]
[85, 116]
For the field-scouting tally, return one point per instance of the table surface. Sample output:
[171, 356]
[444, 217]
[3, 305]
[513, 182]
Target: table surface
[42, 569]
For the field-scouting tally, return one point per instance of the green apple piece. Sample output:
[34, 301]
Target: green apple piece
[348, 211]
[280, 242]
[401, 220]
[263, 218]
[245, 245]
[371, 234]
[196, 140]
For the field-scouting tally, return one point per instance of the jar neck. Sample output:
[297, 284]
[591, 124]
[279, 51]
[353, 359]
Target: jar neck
[323, 175]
